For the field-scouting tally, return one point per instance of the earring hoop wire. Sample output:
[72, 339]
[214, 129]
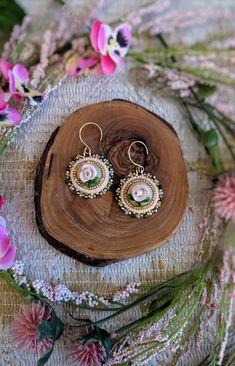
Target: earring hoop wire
[139, 168]
[87, 149]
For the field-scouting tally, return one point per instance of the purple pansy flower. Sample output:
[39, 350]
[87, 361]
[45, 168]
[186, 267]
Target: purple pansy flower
[9, 117]
[7, 251]
[18, 80]
[111, 44]
[85, 64]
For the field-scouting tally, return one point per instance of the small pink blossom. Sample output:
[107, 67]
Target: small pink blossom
[8, 116]
[87, 354]
[224, 196]
[232, 295]
[113, 45]
[7, 251]
[25, 328]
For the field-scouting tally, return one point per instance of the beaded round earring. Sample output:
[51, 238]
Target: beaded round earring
[88, 175]
[139, 194]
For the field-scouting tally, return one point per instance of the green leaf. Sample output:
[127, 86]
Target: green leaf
[92, 182]
[147, 200]
[214, 156]
[161, 304]
[10, 13]
[53, 328]
[105, 339]
[205, 90]
[45, 357]
[33, 297]
[129, 197]
[209, 138]
[98, 335]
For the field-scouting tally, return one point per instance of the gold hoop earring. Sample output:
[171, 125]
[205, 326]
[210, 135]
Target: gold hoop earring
[139, 194]
[88, 175]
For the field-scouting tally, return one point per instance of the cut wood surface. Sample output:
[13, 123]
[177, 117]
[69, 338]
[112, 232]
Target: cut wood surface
[96, 231]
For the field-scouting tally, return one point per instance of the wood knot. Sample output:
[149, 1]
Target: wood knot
[117, 154]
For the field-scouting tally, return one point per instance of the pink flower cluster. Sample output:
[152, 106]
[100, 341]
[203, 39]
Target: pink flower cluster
[131, 289]
[25, 336]
[224, 196]
[16, 78]
[232, 295]
[61, 293]
[110, 47]
[25, 328]
[7, 251]
[88, 354]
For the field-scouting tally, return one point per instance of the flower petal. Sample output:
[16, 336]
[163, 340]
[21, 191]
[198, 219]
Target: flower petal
[1, 201]
[4, 241]
[9, 117]
[8, 259]
[12, 84]
[4, 68]
[94, 34]
[3, 103]
[123, 35]
[108, 65]
[20, 74]
[34, 97]
[103, 36]
[76, 66]
[116, 58]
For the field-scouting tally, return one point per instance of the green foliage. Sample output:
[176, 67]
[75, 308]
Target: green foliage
[205, 90]
[10, 14]
[210, 141]
[129, 197]
[98, 335]
[92, 182]
[52, 328]
[209, 138]
[142, 203]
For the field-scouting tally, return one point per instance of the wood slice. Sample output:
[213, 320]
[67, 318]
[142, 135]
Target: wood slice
[96, 231]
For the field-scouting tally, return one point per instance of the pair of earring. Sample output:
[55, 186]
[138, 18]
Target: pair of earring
[139, 194]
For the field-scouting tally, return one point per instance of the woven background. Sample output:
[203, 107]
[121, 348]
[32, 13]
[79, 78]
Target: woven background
[18, 166]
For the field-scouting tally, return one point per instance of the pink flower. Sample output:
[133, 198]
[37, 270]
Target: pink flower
[7, 251]
[232, 295]
[25, 328]
[18, 77]
[1, 201]
[224, 196]
[111, 44]
[87, 354]
[4, 68]
[78, 65]
[8, 116]
[18, 80]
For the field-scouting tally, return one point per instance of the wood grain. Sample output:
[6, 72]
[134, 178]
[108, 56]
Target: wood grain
[96, 231]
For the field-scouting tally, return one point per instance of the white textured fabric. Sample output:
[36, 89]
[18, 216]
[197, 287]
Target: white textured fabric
[17, 172]
[18, 166]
